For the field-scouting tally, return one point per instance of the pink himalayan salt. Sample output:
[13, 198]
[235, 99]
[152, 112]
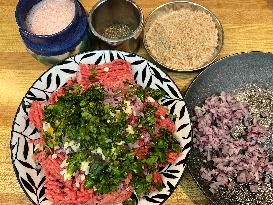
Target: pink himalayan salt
[50, 16]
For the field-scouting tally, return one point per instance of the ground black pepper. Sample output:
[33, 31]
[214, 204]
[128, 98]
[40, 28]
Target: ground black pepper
[117, 31]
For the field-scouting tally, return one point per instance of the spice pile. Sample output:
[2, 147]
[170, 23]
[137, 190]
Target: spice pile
[50, 16]
[260, 102]
[117, 31]
[183, 39]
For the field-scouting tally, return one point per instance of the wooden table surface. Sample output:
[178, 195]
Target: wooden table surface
[248, 26]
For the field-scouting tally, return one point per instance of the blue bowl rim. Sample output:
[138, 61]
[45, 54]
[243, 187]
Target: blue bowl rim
[20, 22]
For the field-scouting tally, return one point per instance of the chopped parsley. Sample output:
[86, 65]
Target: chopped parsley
[100, 134]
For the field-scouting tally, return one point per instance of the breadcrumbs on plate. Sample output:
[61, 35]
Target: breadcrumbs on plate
[183, 39]
[50, 16]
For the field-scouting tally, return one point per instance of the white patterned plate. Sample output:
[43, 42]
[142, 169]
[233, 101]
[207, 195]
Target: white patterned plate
[30, 175]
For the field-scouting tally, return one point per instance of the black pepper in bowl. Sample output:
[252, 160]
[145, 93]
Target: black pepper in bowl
[117, 31]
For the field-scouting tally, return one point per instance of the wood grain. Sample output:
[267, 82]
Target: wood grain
[248, 25]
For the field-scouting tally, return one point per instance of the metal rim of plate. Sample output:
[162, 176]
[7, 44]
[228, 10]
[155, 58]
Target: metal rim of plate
[219, 28]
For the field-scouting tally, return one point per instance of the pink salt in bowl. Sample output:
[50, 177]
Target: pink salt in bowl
[52, 48]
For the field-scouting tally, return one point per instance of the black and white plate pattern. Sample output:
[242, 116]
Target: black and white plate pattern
[30, 174]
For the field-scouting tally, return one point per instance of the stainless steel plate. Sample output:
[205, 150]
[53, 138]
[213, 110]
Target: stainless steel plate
[178, 5]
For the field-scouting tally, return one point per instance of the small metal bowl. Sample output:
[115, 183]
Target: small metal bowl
[175, 6]
[109, 12]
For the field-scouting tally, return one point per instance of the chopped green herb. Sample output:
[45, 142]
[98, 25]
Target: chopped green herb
[94, 72]
[101, 139]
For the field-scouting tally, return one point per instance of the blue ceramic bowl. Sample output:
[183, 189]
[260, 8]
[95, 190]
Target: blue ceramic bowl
[51, 49]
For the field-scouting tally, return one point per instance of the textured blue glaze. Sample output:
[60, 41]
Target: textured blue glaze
[55, 44]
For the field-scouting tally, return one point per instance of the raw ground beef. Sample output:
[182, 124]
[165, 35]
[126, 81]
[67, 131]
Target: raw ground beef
[111, 76]
[62, 192]
[36, 115]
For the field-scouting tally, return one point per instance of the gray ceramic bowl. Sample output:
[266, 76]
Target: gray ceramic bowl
[178, 5]
[228, 74]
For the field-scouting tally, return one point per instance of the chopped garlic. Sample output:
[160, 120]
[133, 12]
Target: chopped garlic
[63, 172]
[71, 143]
[82, 177]
[64, 164]
[66, 175]
[130, 129]
[54, 156]
[74, 146]
[117, 113]
[128, 110]
[46, 125]
[108, 121]
[108, 140]
[38, 147]
[77, 184]
[47, 128]
[85, 167]
[178, 134]
[120, 143]
[66, 145]
[56, 147]
[99, 151]
[106, 69]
